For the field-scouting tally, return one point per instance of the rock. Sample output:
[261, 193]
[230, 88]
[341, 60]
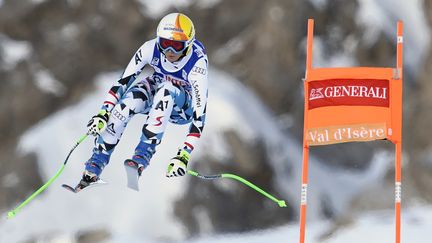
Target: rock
[226, 206]
[93, 236]
[262, 43]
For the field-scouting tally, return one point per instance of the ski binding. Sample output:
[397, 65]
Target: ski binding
[132, 173]
[81, 186]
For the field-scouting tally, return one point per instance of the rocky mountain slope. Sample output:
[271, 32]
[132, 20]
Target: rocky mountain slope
[260, 42]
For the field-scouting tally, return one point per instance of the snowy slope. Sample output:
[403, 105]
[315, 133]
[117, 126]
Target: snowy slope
[113, 206]
[372, 227]
[146, 216]
[148, 213]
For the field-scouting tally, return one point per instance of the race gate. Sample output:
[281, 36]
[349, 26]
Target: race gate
[352, 104]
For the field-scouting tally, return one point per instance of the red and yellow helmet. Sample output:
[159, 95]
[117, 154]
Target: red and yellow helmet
[175, 33]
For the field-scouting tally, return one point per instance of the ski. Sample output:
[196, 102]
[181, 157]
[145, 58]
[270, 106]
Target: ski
[132, 174]
[83, 185]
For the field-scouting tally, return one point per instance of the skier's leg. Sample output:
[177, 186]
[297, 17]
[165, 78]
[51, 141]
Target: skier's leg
[166, 99]
[136, 100]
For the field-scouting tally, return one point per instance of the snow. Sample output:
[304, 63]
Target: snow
[46, 82]
[376, 226]
[382, 16]
[130, 215]
[147, 216]
[10, 180]
[319, 4]
[207, 3]
[13, 51]
[156, 9]
[231, 48]
[257, 123]
[342, 58]
[121, 210]
[38, 1]
[69, 32]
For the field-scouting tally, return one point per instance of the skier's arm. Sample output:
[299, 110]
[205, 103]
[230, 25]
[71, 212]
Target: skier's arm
[198, 79]
[133, 69]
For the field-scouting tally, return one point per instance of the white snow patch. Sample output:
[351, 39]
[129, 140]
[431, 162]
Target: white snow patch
[156, 9]
[10, 180]
[382, 16]
[13, 51]
[319, 4]
[69, 32]
[38, 1]
[343, 58]
[48, 84]
[207, 3]
[229, 49]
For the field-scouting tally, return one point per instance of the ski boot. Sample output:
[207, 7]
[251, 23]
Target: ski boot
[88, 179]
[135, 166]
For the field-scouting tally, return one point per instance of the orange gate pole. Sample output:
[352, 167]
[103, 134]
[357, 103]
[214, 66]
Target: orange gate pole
[398, 150]
[304, 185]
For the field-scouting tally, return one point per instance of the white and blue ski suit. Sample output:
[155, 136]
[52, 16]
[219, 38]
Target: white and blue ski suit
[175, 92]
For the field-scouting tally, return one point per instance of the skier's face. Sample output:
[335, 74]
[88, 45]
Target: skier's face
[172, 57]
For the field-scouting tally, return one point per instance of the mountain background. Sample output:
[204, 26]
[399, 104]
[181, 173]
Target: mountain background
[54, 54]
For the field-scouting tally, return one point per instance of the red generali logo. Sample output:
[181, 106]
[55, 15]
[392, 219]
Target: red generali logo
[316, 94]
[350, 92]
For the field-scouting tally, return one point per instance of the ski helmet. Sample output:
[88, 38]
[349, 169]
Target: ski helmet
[176, 33]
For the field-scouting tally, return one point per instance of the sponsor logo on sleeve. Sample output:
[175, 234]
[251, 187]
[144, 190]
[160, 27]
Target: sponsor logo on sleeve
[350, 92]
[199, 53]
[118, 115]
[155, 61]
[110, 129]
[195, 86]
[138, 57]
[199, 70]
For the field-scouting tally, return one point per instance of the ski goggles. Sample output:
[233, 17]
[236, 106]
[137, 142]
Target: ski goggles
[171, 45]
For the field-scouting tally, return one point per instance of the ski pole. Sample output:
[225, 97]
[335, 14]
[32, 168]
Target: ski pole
[11, 214]
[281, 203]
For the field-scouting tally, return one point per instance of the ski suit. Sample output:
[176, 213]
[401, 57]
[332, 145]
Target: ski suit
[175, 92]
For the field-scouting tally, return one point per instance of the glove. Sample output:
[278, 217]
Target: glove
[98, 123]
[178, 164]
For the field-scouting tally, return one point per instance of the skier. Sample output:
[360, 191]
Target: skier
[176, 92]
